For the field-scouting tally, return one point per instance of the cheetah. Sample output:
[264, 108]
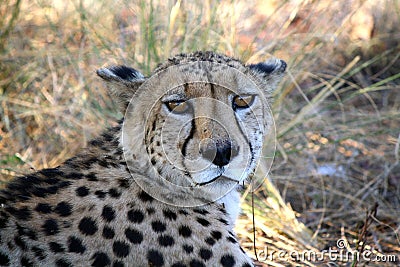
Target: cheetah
[162, 187]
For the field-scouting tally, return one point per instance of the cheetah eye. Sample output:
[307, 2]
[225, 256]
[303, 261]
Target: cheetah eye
[242, 102]
[177, 107]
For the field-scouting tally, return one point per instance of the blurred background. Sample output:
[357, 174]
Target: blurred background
[336, 174]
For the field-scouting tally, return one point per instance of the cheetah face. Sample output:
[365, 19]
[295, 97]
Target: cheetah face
[197, 128]
[210, 133]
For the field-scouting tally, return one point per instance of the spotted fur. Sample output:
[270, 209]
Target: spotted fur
[90, 211]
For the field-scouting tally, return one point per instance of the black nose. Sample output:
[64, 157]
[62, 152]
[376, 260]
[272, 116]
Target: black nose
[218, 152]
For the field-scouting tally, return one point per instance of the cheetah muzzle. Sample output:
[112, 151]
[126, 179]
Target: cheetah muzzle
[162, 187]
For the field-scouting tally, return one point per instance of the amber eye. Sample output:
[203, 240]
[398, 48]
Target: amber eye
[240, 102]
[177, 107]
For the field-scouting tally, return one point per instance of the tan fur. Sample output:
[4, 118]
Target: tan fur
[130, 198]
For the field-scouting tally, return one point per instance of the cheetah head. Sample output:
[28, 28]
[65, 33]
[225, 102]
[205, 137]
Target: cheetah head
[194, 129]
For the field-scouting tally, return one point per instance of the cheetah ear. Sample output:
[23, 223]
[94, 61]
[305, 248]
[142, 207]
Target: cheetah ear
[123, 82]
[269, 72]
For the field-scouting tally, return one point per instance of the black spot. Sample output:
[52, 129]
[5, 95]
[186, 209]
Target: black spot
[43, 208]
[20, 243]
[150, 211]
[169, 215]
[22, 214]
[100, 194]
[108, 213]
[124, 183]
[51, 190]
[121, 249]
[222, 209]
[92, 176]
[87, 226]
[108, 232]
[210, 241]
[74, 175]
[223, 221]
[203, 221]
[103, 163]
[4, 259]
[134, 236]
[231, 239]
[143, 196]
[114, 192]
[52, 181]
[183, 212]
[196, 263]
[96, 142]
[51, 173]
[118, 264]
[115, 165]
[246, 265]
[187, 248]
[55, 188]
[36, 191]
[10, 245]
[17, 186]
[75, 245]
[39, 253]
[158, 226]
[63, 209]
[154, 125]
[63, 263]
[82, 191]
[166, 240]
[201, 211]
[50, 227]
[107, 136]
[63, 184]
[178, 264]
[155, 258]
[32, 179]
[119, 151]
[26, 262]
[27, 232]
[56, 247]
[100, 259]
[205, 254]
[227, 261]
[3, 219]
[216, 235]
[184, 231]
[135, 216]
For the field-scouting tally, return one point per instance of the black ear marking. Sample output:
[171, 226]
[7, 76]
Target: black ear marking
[269, 73]
[122, 73]
[126, 73]
[277, 66]
[122, 83]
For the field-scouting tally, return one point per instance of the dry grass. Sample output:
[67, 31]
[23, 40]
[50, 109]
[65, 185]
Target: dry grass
[337, 112]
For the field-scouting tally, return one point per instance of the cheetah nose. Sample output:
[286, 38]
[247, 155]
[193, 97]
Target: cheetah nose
[218, 152]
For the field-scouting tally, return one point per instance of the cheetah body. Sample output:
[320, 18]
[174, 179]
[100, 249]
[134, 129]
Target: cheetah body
[90, 211]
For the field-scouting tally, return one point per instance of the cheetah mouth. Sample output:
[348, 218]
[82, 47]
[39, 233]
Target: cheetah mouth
[214, 179]
[208, 182]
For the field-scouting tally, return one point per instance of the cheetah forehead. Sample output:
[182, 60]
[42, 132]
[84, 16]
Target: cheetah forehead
[208, 56]
[124, 82]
